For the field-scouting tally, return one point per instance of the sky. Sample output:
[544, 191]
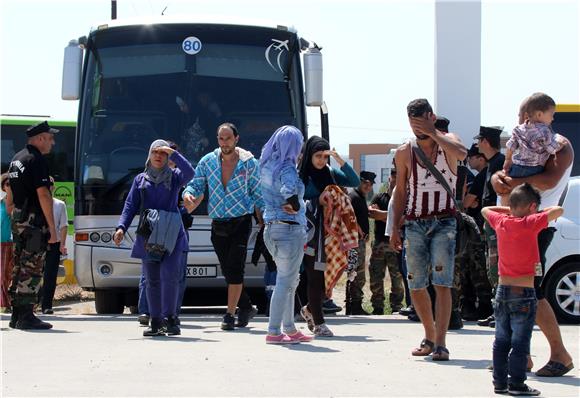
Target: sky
[378, 55]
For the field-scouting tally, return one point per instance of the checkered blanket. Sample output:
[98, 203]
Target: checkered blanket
[340, 233]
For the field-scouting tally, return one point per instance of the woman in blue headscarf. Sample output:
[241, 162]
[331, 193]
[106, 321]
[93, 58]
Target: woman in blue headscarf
[285, 231]
[156, 190]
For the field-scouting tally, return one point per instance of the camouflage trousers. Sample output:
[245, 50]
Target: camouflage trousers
[29, 254]
[383, 258]
[492, 256]
[356, 287]
[470, 280]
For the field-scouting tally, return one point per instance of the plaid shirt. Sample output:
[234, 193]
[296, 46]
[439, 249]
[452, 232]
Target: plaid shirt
[242, 193]
[341, 233]
[532, 144]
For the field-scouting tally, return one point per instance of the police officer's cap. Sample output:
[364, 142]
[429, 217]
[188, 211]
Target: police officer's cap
[488, 132]
[368, 176]
[473, 151]
[40, 128]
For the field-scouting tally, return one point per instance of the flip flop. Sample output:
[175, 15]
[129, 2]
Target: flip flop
[424, 349]
[554, 369]
[440, 354]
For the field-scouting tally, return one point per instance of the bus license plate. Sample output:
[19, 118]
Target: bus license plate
[201, 271]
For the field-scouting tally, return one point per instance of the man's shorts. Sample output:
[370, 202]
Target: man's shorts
[430, 252]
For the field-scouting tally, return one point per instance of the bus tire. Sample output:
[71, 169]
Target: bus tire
[564, 280]
[109, 302]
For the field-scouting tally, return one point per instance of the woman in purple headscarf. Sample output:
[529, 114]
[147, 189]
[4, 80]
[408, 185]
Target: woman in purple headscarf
[285, 231]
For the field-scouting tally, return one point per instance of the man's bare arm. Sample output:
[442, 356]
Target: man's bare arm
[401, 161]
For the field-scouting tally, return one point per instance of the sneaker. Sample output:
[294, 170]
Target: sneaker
[500, 388]
[492, 324]
[143, 319]
[330, 307]
[171, 326]
[307, 315]
[244, 316]
[300, 337]
[47, 311]
[280, 339]
[522, 389]
[486, 321]
[407, 311]
[228, 322]
[323, 331]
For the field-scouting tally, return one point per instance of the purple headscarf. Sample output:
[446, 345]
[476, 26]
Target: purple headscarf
[282, 148]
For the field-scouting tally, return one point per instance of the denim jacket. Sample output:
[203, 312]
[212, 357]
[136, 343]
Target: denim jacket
[276, 189]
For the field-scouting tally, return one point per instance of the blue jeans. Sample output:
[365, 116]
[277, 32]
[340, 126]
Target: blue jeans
[430, 252]
[517, 170]
[286, 245]
[515, 313]
[143, 304]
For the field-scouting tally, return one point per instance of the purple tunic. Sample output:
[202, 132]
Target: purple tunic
[157, 197]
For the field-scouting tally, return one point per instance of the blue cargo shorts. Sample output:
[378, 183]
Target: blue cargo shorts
[430, 251]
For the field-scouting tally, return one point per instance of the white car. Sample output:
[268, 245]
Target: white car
[562, 281]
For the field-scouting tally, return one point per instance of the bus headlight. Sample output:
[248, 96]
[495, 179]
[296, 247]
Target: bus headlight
[94, 237]
[106, 237]
[106, 269]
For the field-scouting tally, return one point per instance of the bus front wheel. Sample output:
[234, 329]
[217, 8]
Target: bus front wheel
[109, 302]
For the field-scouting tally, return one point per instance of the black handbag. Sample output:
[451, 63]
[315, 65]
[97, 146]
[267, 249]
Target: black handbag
[467, 230]
[143, 228]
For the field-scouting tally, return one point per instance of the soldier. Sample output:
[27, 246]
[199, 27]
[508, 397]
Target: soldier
[358, 198]
[33, 225]
[474, 274]
[383, 257]
[489, 145]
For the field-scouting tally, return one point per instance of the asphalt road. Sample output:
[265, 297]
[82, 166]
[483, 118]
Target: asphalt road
[99, 355]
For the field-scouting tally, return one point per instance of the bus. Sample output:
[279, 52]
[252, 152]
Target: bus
[60, 162]
[139, 80]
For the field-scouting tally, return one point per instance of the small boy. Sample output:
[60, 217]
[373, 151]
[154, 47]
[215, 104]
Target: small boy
[517, 228]
[533, 141]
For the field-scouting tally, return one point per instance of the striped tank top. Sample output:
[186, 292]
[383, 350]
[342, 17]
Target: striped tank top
[426, 197]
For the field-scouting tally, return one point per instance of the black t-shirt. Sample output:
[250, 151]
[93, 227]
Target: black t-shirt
[28, 171]
[361, 210]
[476, 189]
[382, 201]
[494, 165]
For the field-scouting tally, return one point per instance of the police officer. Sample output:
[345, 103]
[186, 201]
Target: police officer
[476, 290]
[32, 223]
[489, 144]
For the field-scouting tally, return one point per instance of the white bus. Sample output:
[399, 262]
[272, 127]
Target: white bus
[174, 79]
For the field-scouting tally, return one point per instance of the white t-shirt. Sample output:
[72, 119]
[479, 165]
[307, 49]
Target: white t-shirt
[389, 226]
[60, 217]
[551, 197]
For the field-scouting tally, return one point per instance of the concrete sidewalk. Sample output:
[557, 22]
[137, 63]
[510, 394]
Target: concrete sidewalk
[100, 355]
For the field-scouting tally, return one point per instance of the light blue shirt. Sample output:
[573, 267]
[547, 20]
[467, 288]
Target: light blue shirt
[276, 189]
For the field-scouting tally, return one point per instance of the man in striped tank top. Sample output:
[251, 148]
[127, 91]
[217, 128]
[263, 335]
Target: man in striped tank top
[429, 221]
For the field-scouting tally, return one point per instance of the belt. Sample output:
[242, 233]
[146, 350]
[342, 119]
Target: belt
[283, 222]
[430, 216]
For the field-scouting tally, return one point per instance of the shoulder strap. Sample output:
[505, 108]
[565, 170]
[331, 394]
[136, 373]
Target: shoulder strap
[436, 173]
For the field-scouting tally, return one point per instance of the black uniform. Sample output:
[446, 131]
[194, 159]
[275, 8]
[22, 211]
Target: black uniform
[28, 171]
[494, 165]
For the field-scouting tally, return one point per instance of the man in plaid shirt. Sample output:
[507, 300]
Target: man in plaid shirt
[232, 178]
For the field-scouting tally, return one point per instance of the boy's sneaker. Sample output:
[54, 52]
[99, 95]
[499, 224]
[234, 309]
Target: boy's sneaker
[500, 388]
[523, 390]
[323, 331]
[228, 322]
[244, 316]
[307, 315]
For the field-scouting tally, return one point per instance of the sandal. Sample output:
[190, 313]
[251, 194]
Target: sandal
[554, 369]
[440, 354]
[424, 349]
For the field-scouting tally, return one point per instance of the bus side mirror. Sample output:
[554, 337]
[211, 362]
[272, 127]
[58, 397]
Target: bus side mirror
[313, 76]
[71, 71]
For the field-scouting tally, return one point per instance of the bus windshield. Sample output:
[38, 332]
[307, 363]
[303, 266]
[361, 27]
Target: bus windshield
[140, 86]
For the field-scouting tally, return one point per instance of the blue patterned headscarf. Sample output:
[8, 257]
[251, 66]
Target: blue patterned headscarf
[282, 148]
